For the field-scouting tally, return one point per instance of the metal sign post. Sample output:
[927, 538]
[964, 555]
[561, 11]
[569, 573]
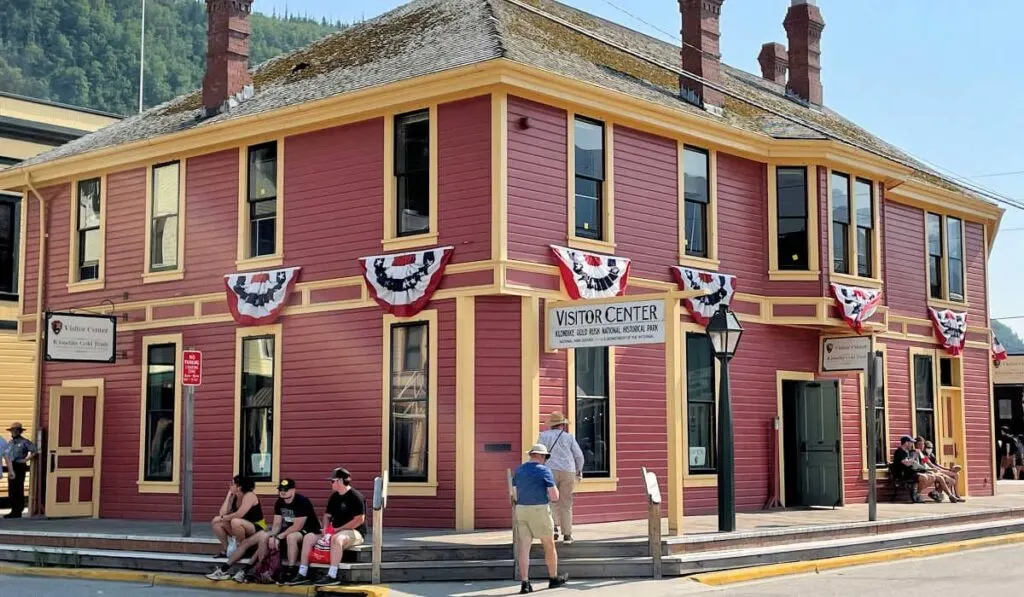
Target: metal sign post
[872, 379]
[191, 377]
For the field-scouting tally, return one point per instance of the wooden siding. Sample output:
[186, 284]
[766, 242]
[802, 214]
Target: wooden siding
[905, 260]
[17, 378]
[538, 188]
[978, 420]
[852, 421]
[464, 178]
[742, 221]
[975, 254]
[554, 391]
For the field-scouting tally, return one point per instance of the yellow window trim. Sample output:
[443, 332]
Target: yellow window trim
[813, 271]
[74, 285]
[606, 244]
[611, 482]
[263, 488]
[945, 302]
[934, 356]
[172, 486]
[426, 488]
[863, 406]
[390, 240]
[695, 479]
[780, 377]
[178, 273]
[875, 280]
[242, 259]
[711, 262]
[499, 177]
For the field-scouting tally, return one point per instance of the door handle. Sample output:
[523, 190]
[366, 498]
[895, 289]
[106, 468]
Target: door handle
[803, 446]
[837, 446]
[53, 461]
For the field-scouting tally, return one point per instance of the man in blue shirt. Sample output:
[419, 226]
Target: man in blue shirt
[534, 491]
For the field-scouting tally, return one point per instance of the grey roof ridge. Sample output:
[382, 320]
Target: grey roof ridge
[496, 28]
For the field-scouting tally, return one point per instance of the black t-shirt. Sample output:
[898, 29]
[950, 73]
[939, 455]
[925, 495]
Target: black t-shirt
[898, 457]
[342, 508]
[300, 506]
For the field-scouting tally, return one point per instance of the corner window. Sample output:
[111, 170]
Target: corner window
[10, 221]
[854, 241]
[592, 405]
[864, 200]
[412, 173]
[697, 198]
[945, 237]
[924, 396]
[792, 241]
[166, 194]
[589, 155]
[935, 256]
[88, 225]
[257, 407]
[840, 223]
[160, 415]
[410, 402]
[262, 199]
[700, 405]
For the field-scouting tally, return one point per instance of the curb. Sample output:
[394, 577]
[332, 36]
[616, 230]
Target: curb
[728, 577]
[184, 581]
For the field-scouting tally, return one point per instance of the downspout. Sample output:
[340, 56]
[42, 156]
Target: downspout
[34, 507]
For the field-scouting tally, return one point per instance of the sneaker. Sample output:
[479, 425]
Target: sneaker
[329, 582]
[219, 574]
[935, 495]
[558, 581]
[525, 588]
[567, 540]
[918, 499]
[297, 580]
[241, 577]
[556, 533]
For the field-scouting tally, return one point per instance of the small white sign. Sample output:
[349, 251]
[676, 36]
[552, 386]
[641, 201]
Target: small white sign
[698, 456]
[606, 324]
[653, 491]
[845, 353]
[81, 338]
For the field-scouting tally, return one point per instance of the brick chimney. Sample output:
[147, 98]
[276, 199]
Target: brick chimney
[701, 55]
[227, 54]
[774, 62]
[804, 25]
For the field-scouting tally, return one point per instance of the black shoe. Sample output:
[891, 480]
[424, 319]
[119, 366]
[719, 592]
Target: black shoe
[286, 575]
[329, 582]
[525, 588]
[12, 515]
[556, 533]
[296, 580]
[558, 581]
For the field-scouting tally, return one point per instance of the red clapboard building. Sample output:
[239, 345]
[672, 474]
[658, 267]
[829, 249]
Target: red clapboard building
[401, 248]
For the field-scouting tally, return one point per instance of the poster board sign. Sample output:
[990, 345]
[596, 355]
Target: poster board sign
[618, 323]
[1010, 371]
[77, 338]
[191, 368]
[845, 353]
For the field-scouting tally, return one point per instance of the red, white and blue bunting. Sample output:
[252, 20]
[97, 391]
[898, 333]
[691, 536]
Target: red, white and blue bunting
[718, 290]
[856, 304]
[998, 351]
[950, 328]
[591, 276]
[257, 298]
[402, 284]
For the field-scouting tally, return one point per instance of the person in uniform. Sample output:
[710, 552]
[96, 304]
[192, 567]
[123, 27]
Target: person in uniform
[20, 452]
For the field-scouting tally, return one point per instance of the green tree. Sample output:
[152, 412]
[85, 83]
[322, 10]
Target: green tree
[1010, 340]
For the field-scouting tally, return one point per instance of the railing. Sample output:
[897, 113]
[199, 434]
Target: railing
[380, 502]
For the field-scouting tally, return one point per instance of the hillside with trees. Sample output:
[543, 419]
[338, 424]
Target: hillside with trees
[86, 52]
[1009, 339]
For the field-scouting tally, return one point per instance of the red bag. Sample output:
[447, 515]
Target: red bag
[321, 553]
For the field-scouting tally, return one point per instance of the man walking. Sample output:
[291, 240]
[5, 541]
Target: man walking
[566, 463]
[19, 452]
[534, 491]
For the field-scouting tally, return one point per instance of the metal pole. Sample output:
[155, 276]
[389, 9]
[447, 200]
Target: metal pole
[869, 418]
[142, 54]
[186, 476]
[726, 474]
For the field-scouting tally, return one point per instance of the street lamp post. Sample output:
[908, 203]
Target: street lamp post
[725, 330]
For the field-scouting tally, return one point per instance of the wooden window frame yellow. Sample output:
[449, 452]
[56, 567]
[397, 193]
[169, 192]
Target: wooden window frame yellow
[611, 482]
[695, 479]
[934, 355]
[426, 488]
[945, 302]
[711, 262]
[607, 243]
[390, 239]
[172, 486]
[881, 472]
[178, 273]
[875, 281]
[99, 384]
[74, 284]
[275, 330]
[813, 271]
[242, 259]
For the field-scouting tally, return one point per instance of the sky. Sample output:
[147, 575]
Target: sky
[940, 79]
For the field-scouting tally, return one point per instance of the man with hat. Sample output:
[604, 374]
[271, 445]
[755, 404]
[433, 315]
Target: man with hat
[19, 452]
[566, 463]
[534, 490]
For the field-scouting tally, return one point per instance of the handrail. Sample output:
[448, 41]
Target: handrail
[380, 503]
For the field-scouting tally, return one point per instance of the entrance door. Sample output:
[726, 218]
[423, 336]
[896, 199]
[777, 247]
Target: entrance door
[76, 415]
[817, 430]
[949, 445]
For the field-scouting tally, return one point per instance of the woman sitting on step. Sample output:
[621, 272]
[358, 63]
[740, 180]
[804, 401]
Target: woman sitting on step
[240, 516]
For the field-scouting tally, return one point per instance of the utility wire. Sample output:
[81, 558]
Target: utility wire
[993, 175]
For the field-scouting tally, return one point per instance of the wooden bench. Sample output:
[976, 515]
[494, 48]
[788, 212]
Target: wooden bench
[900, 483]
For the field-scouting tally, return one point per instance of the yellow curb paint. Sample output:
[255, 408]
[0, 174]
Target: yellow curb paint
[728, 577]
[79, 573]
[199, 582]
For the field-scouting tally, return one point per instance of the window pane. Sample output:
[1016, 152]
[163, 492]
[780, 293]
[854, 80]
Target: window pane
[865, 208]
[926, 425]
[409, 440]
[263, 171]
[791, 186]
[840, 244]
[413, 203]
[160, 405]
[257, 443]
[881, 442]
[934, 235]
[840, 198]
[257, 407]
[793, 243]
[696, 229]
[923, 397]
[159, 446]
[410, 361]
[700, 403]
[89, 246]
[589, 149]
[592, 372]
[935, 271]
[954, 238]
[864, 252]
[164, 249]
[695, 175]
[88, 204]
[9, 220]
[263, 236]
[165, 190]
[412, 143]
[588, 208]
[956, 279]
[592, 433]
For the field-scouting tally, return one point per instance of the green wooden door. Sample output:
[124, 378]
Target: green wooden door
[818, 441]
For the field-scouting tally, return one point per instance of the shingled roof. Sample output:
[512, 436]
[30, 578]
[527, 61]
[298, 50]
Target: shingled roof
[429, 36]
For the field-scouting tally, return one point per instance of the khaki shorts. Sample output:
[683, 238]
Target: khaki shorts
[534, 522]
[352, 537]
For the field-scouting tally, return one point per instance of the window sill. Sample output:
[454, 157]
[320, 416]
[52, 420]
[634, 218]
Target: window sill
[700, 481]
[699, 262]
[168, 276]
[412, 489]
[776, 275]
[943, 304]
[587, 244]
[159, 487]
[402, 243]
[266, 488]
[89, 286]
[260, 262]
[848, 280]
[597, 485]
[880, 475]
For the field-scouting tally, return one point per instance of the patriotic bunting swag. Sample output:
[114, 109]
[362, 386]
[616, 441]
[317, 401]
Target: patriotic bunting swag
[998, 351]
[591, 276]
[718, 290]
[402, 284]
[951, 329]
[256, 298]
[856, 304]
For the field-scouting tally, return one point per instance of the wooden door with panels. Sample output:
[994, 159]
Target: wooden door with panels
[72, 459]
[950, 438]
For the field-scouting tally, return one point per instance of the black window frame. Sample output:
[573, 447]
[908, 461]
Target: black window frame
[589, 177]
[10, 288]
[269, 417]
[960, 296]
[694, 209]
[840, 258]
[589, 444]
[257, 202]
[793, 245]
[708, 403]
[921, 406]
[407, 177]
[154, 238]
[424, 400]
[151, 413]
[933, 221]
[865, 231]
[88, 271]
[881, 435]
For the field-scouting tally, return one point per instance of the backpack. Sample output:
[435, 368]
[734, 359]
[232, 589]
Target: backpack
[266, 571]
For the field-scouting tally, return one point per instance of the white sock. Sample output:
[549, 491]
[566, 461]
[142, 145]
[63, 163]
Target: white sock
[303, 570]
[333, 572]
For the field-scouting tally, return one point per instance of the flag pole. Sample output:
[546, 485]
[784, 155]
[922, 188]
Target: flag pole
[142, 55]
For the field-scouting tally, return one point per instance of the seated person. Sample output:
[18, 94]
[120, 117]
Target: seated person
[240, 515]
[941, 486]
[951, 475]
[905, 466]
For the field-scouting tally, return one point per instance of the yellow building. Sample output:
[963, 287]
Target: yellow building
[28, 127]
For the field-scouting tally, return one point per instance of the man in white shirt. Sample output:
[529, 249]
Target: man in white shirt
[566, 463]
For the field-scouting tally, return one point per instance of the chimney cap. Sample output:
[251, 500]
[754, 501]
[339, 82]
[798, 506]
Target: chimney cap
[799, 2]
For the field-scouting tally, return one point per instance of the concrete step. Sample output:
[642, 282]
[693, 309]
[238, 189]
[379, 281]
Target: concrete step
[436, 553]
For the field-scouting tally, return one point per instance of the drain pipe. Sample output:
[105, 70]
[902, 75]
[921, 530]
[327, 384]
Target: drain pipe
[37, 417]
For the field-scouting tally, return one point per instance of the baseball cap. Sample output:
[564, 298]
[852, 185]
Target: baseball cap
[286, 484]
[340, 473]
[905, 439]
